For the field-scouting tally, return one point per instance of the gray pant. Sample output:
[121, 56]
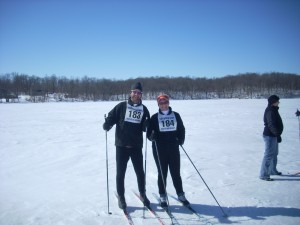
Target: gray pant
[269, 163]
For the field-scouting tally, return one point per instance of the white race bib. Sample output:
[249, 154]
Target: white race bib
[167, 122]
[134, 114]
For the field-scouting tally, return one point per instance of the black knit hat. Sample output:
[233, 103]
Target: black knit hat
[272, 99]
[137, 86]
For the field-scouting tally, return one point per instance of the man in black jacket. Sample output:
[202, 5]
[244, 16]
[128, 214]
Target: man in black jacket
[167, 132]
[272, 136]
[130, 118]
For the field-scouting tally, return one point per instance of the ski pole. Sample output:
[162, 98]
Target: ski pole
[224, 214]
[107, 185]
[161, 172]
[299, 127]
[298, 115]
[145, 166]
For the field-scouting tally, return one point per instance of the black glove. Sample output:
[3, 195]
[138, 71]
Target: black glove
[180, 141]
[279, 139]
[153, 136]
[106, 127]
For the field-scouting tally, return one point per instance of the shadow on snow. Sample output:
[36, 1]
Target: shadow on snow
[214, 212]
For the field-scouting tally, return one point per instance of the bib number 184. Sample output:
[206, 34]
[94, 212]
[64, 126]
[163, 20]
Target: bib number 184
[168, 123]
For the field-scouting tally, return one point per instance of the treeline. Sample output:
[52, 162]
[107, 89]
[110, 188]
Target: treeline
[249, 85]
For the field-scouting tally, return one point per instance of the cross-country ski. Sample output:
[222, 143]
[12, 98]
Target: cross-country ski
[202, 219]
[293, 173]
[125, 213]
[167, 210]
[128, 217]
[149, 208]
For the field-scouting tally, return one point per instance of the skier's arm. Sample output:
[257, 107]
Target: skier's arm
[146, 120]
[110, 120]
[151, 135]
[181, 130]
[271, 124]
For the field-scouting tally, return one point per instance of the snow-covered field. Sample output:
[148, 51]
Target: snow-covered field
[53, 165]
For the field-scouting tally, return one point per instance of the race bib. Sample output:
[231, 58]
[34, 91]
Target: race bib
[167, 122]
[134, 114]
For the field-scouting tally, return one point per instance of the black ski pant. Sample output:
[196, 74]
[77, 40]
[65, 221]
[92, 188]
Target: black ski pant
[122, 157]
[169, 158]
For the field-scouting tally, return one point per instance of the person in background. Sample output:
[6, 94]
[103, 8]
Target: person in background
[272, 136]
[167, 132]
[130, 118]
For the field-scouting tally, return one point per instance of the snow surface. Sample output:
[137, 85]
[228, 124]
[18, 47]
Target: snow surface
[53, 165]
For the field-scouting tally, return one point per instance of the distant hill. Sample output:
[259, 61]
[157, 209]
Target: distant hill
[54, 88]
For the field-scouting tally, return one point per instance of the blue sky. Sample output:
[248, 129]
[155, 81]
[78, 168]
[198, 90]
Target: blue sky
[133, 38]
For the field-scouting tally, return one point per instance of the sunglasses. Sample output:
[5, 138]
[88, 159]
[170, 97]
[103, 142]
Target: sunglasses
[163, 103]
[136, 92]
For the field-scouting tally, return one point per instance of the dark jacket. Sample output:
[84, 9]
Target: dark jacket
[167, 138]
[273, 122]
[127, 134]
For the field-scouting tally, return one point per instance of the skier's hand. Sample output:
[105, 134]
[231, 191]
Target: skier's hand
[180, 142]
[279, 139]
[106, 127]
[153, 136]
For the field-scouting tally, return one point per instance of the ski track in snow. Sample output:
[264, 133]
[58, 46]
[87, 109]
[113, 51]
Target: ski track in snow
[53, 165]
